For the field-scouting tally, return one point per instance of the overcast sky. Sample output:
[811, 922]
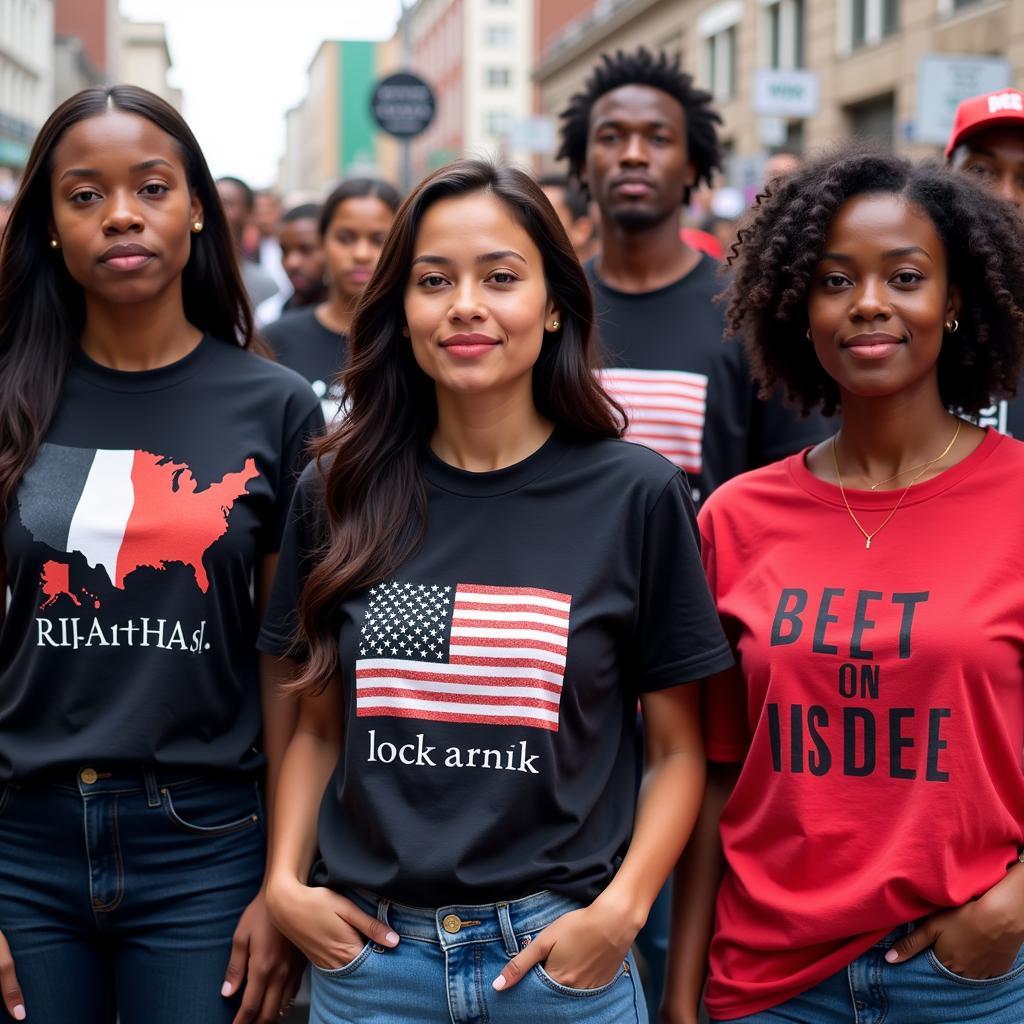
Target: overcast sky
[242, 64]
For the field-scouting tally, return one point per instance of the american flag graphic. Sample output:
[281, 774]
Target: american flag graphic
[666, 410]
[491, 655]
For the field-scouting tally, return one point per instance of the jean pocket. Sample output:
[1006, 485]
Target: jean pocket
[347, 969]
[212, 809]
[1016, 971]
[580, 993]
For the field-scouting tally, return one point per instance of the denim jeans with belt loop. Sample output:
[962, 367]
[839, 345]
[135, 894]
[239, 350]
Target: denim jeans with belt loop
[442, 969]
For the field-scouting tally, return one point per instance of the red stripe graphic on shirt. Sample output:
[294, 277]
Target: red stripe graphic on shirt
[487, 655]
[666, 410]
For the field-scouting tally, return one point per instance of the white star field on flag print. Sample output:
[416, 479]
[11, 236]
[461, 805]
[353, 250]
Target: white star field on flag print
[475, 654]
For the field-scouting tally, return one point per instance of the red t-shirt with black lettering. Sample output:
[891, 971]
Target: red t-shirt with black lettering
[878, 712]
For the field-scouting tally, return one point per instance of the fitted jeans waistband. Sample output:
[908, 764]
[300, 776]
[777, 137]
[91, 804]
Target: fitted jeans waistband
[458, 924]
[97, 778]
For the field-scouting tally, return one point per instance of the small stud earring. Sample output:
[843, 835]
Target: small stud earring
[197, 226]
[54, 244]
[555, 325]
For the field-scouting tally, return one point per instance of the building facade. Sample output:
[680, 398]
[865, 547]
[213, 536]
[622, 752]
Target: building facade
[802, 73]
[26, 79]
[330, 135]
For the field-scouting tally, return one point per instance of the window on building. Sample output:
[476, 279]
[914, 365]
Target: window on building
[784, 34]
[720, 63]
[499, 78]
[874, 119]
[497, 123]
[718, 28]
[498, 35]
[871, 21]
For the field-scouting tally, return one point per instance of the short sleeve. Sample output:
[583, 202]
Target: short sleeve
[724, 698]
[302, 537]
[678, 637]
[294, 456]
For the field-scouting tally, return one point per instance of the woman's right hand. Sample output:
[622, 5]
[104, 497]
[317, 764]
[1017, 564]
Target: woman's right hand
[330, 929]
[9, 987]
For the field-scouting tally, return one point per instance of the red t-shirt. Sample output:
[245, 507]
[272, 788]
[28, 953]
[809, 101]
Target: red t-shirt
[879, 712]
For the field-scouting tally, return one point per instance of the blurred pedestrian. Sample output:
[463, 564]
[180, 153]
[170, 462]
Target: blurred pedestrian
[987, 143]
[866, 785]
[237, 199]
[267, 210]
[573, 211]
[302, 256]
[478, 450]
[147, 458]
[780, 164]
[353, 224]
[639, 137]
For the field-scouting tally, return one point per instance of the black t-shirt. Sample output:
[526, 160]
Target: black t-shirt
[1005, 415]
[490, 686]
[688, 392]
[129, 552]
[304, 345]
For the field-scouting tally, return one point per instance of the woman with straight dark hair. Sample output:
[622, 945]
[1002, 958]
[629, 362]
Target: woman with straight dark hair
[147, 459]
[354, 221]
[486, 580]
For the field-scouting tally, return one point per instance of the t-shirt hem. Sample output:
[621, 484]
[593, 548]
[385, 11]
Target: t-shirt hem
[724, 753]
[689, 671]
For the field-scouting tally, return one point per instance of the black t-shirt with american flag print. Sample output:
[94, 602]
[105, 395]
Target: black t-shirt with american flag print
[490, 686]
[688, 391]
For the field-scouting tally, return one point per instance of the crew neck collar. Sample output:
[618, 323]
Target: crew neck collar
[703, 264]
[883, 500]
[146, 380]
[498, 481]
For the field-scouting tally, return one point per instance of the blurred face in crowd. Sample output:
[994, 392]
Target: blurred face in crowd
[266, 213]
[638, 165]
[302, 254]
[236, 209]
[880, 299]
[353, 242]
[476, 302]
[122, 208]
[579, 229]
[779, 165]
[995, 157]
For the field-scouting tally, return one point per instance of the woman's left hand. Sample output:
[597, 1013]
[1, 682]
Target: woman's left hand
[981, 939]
[268, 964]
[582, 949]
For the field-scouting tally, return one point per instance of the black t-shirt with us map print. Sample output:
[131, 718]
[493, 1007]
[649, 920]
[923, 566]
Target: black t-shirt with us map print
[688, 390]
[490, 686]
[129, 551]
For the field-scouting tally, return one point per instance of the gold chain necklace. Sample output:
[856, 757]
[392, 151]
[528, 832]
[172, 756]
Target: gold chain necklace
[868, 537]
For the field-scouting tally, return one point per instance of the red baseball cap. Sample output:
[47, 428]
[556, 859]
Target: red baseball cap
[1006, 106]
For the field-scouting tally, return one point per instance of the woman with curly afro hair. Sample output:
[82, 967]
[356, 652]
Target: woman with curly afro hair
[866, 785]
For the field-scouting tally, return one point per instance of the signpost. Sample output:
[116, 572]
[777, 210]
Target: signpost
[403, 105]
[785, 93]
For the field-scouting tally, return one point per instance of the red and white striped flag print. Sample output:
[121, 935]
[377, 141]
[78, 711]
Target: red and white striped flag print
[666, 410]
[487, 655]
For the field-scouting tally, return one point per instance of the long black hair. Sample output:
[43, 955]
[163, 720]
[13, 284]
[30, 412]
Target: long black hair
[42, 308]
[374, 495]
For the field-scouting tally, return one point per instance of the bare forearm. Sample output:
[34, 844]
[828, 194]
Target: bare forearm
[695, 888]
[280, 715]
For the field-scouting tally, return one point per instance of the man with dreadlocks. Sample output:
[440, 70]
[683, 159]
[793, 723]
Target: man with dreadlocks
[639, 137]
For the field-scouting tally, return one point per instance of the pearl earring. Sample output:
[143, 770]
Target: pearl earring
[54, 244]
[197, 226]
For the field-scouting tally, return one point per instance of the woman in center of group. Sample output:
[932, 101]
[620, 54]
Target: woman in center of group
[487, 578]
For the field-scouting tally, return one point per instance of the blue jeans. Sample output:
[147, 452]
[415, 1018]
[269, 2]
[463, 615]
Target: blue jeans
[120, 892]
[441, 972]
[919, 991]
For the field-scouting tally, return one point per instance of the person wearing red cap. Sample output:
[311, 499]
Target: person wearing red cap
[987, 141]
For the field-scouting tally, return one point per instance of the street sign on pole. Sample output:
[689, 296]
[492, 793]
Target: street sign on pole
[403, 105]
[943, 81]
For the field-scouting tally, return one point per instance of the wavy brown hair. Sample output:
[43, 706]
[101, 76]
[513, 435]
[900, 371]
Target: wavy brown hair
[42, 308]
[781, 242]
[373, 492]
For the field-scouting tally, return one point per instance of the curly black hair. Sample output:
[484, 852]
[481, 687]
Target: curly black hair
[781, 241]
[659, 72]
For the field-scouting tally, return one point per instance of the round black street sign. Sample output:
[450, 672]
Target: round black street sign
[403, 104]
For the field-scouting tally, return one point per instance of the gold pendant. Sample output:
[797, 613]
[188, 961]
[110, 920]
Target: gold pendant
[867, 542]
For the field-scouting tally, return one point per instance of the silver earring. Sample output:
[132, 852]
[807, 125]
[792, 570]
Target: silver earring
[54, 244]
[808, 334]
[953, 327]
